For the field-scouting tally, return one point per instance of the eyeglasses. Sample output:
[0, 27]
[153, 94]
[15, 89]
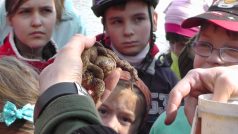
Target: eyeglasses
[205, 49]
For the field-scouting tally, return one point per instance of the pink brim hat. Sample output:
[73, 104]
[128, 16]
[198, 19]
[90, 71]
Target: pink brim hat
[175, 28]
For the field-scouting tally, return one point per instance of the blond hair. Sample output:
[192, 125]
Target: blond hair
[59, 6]
[18, 84]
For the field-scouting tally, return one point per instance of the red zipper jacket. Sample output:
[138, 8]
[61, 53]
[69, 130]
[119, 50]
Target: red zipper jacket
[8, 48]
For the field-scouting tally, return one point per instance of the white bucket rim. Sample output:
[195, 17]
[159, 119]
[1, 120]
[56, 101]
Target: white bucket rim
[205, 104]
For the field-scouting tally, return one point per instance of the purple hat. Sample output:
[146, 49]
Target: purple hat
[179, 10]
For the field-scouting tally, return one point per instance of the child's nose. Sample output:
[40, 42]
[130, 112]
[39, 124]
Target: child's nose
[215, 58]
[36, 20]
[128, 30]
[114, 124]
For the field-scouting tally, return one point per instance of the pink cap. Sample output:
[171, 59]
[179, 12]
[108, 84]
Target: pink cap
[179, 10]
[175, 28]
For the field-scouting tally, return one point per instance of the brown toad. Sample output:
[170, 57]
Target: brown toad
[98, 62]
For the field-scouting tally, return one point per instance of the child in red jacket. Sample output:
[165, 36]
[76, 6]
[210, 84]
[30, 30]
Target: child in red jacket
[32, 24]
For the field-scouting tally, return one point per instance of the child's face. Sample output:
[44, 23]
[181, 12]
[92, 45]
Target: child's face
[176, 47]
[129, 27]
[33, 22]
[122, 111]
[219, 38]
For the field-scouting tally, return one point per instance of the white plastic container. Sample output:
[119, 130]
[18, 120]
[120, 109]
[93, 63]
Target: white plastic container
[216, 117]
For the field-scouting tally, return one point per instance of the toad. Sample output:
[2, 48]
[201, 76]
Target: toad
[98, 62]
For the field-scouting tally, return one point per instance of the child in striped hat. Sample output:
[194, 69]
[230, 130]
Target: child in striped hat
[175, 14]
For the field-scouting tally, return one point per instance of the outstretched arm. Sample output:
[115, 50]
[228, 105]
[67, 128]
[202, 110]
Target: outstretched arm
[64, 105]
[68, 65]
[221, 81]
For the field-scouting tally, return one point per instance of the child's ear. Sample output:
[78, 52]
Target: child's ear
[155, 20]
[105, 33]
[102, 21]
[9, 21]
[104, 27]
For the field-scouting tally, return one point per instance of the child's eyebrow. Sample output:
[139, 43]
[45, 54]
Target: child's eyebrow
[30, 7]
[114, 18]
[48, 7]
[25, 8]
[129, 113]
[104, 105]
[139, 14]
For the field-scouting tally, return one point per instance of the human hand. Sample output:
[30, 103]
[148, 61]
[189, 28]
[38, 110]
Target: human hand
[221, 81]
[110, 83]
[67, 66]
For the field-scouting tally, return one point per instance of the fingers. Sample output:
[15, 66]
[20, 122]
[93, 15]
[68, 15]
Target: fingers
[112, 79]
[67, 66]
[198, 127]
[81, 40]
[77, 44]
[225, 86]
[222, 81]
[175, 97]
[111, 83]
[190, 107]
[222, 92]
[105, 95]
[171, 113]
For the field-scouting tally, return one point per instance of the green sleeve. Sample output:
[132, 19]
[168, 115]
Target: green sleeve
[67, 113]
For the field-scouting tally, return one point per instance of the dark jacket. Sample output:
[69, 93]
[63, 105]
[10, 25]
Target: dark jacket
[64, 108]
[66, 114]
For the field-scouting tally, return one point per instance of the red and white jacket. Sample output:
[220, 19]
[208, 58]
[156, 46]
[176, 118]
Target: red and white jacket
[8, 48]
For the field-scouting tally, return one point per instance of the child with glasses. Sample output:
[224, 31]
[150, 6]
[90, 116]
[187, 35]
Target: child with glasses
[178, 37]
[216, 45]
[213, 51]
[205, 49]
